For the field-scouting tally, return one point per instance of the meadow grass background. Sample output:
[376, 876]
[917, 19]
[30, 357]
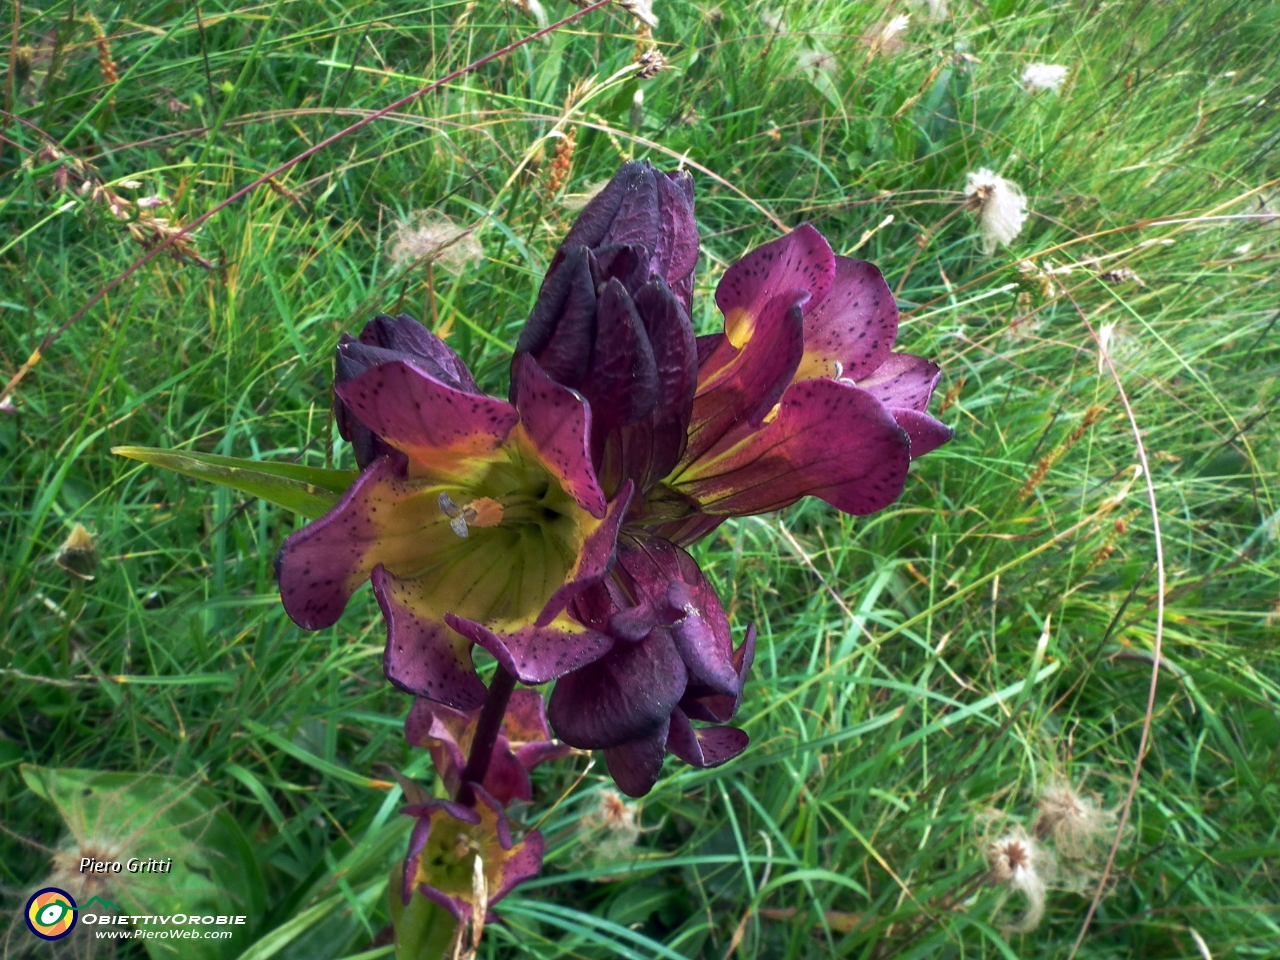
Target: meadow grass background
[899, 709]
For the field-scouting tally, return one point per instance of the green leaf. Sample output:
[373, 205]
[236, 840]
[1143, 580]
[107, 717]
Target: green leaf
[121, 816]
[310, 491]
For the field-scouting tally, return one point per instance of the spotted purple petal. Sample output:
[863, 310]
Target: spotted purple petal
[849, 331]
[704, 746]
[827, 439]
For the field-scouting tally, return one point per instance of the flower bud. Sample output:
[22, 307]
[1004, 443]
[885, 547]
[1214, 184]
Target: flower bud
[77, 555]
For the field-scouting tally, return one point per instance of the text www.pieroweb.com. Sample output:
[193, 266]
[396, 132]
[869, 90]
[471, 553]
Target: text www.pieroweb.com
[144, 926]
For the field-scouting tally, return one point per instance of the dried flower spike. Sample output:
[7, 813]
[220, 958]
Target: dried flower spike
[999, 205]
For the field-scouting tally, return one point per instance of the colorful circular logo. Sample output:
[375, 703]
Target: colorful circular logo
[51, 913]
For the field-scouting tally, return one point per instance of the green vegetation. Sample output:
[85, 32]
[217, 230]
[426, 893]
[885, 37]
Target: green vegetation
[923, 673]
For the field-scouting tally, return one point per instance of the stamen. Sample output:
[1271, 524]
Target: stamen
[482, 512]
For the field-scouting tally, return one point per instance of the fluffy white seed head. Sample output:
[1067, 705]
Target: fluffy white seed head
[934, 9]
[1075, 823]
[999, 205]
[894, 27]
[429, 236]
[1020, 865]
[1043, 76]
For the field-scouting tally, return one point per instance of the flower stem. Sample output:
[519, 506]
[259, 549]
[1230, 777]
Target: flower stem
[487, 728]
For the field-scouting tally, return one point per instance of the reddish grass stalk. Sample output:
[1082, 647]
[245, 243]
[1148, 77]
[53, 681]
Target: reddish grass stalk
[51, 337]
[1155, 653]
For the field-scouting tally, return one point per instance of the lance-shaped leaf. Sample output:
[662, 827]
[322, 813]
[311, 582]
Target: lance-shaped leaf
[309, 491]
[453, 849]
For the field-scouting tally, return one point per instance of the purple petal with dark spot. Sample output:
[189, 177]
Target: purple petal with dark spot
[321, 565]
[423, 656]
[537, 654]
[558, 422]
[926, 433]
[439, 427]
[854, 324]
[704, 746]
[902, 382]
[828, 440]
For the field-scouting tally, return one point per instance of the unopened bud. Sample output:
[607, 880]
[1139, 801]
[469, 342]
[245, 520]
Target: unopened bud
[22, 58]
[77, 555]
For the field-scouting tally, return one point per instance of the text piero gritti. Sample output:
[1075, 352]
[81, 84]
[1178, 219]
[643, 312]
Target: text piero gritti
[132, 865]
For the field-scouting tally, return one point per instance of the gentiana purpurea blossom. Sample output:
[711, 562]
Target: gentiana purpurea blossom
[471, 514]
[550, 528]
[800, 395]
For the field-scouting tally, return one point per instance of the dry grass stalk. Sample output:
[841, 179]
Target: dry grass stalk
[79, 178]
[1091, 416]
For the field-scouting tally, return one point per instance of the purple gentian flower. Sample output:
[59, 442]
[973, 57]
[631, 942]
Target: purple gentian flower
[471, 514]
[799, 396]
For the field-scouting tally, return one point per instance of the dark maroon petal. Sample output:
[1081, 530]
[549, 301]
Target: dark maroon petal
[532, 754]
[423, 656]
[561, 329]
[740, 386]
[707, 344]
[439, 427]
[537, 654]
[406, 336]
[703, 704]
[646, 451]
[636, 765]
[828, 440]
[801, 261]
[627, 263]
[558, 423]
[507, 779]
[705, 651]
[526, 717]
[437, 727]
[595, 557]
[676, 253]
[620, 697]
[926, 433]
[902, 382]
[623, 212]
[321, 565]
[704, 746]
[854, 325]
[622, 385]
[667, 581]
